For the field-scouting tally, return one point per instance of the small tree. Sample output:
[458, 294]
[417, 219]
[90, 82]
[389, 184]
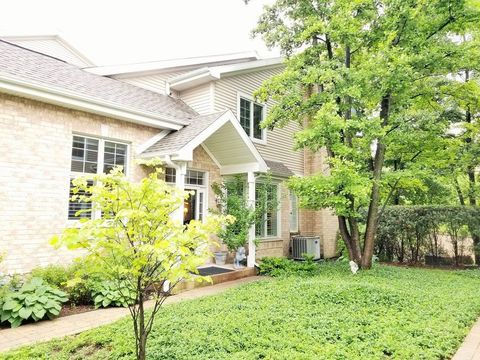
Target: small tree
[233, 201]
[136, 243]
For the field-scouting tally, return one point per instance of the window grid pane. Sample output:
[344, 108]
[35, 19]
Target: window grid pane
[170, 175]
[114, 155]
[245, 115]
[257, 119]
[84, 155]
[77, 205]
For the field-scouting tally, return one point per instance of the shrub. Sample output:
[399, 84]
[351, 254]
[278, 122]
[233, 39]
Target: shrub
[409, 233]
[109, 293]
[54, 275]
[74, 279]
[34, 300]
[280, 266]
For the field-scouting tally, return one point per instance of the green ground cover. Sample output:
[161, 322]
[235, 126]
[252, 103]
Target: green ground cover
[385, 313]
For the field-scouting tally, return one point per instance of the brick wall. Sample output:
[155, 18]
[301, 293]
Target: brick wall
[35, 153]
[322, 223]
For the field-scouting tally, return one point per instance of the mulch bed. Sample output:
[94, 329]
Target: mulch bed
[75, 309]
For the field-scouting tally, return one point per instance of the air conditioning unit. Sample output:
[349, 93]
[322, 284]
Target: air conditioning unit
[305, 245]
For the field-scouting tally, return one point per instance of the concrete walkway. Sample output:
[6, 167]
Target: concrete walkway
[470, 349]
[74, 324]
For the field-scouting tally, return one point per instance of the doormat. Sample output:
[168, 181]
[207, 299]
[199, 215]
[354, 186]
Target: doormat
[213, 270]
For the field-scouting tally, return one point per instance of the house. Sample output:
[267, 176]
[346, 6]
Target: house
[62, 117]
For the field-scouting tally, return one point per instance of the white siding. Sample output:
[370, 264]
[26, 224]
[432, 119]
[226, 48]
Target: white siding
[199, 98]
[280, 142]
[153, 82]
[53, 48]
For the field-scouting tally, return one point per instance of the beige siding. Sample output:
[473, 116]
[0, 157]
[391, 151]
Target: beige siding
[152, 82]
[280, 142]
[199, 98]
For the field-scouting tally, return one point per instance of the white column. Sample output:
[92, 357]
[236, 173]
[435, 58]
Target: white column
[181, 171]
[251, 233]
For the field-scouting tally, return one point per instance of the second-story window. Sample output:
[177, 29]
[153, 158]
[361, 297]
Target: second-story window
[251, 115]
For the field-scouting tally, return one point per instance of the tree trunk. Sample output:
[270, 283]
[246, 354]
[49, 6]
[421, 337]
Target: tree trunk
[372, 217]
[142, 334]
[353, 245]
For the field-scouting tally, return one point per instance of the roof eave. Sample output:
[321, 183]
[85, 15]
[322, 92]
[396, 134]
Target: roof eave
[170, 65]
[71, 100]
[207, 74]
[193, 79]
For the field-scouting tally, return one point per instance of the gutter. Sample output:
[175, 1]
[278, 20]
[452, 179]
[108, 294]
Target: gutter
[89, 104]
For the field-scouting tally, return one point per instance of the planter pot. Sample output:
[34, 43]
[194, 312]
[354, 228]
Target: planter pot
[220, 257]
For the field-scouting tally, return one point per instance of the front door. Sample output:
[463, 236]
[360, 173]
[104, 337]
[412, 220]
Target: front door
[194, 205]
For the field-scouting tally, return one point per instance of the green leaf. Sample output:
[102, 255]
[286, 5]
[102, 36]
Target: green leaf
[16, 322]
[54, 311]
[5, 316]
[25, 313]
[10, 305]
[39, 313]
[42, 299]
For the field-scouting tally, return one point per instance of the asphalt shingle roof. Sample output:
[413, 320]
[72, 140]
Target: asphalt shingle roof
[279, 169]
[36, 68]
[178, 139]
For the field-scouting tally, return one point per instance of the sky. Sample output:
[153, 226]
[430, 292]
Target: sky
[127, 31]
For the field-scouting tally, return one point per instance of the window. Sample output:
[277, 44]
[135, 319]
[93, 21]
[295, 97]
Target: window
[92, 156]
[251, 115]
[267, 225]
[192, 177]
[170, 175]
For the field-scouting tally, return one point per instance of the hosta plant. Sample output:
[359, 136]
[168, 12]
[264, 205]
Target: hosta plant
[34, 300]
[111, 293]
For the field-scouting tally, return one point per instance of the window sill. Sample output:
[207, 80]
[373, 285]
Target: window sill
[270, 239]
[258, 141]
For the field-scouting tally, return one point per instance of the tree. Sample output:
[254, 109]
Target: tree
[233, 201]
[135, 242]
[356, 73]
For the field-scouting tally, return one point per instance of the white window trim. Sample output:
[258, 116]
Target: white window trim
[100, 163]
[296, 211]
[263, 140]
[279, 216]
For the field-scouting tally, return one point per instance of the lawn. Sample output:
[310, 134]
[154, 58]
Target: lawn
[385, 313]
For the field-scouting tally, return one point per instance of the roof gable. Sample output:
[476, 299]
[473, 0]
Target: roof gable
[51, 45]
